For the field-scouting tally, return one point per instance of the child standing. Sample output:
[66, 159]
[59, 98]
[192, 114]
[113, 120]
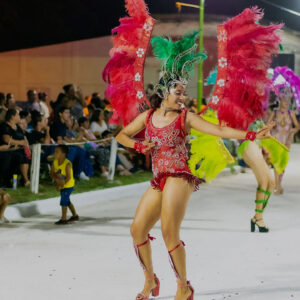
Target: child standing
[62, 174]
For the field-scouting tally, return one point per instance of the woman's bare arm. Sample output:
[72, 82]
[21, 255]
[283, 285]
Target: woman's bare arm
[196, 122]
[295, 121]
[125, 135]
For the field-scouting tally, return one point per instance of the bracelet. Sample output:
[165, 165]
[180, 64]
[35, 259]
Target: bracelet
[251, 135]
[140, 147]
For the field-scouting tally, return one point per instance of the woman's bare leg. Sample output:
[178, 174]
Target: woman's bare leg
[278, 186]
[176, 195]
[147, 214]
[24, 171]
[255, 160]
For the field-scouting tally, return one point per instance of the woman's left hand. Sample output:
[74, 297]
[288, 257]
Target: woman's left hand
[265, 132]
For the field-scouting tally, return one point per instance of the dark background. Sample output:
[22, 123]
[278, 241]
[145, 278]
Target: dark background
[30, 23]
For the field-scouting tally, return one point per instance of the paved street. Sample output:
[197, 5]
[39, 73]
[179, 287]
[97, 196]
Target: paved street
[94, 258]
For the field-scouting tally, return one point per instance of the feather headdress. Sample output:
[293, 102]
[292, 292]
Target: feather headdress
[284, 77]
[124, 72]
[245, 54]
[177, 58]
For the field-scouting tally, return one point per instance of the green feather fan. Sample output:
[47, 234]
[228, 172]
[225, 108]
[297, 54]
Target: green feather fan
[209, 156]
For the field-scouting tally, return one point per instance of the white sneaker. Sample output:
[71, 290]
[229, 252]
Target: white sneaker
[83, 176]
[105, 174]
[4, 220]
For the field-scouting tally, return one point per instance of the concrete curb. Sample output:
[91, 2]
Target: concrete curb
[29, 209]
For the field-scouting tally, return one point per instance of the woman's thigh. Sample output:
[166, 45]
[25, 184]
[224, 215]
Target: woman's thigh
[148, 211]
[176, 194]
[254, 159]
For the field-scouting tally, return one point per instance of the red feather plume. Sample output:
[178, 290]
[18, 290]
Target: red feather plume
[124, 72]
[245, 54]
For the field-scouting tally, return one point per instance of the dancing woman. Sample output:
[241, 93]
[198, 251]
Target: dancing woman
[286, 127]
[167, 125]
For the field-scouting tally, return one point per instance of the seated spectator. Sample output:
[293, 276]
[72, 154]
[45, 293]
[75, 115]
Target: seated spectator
[84, 127]
[41, 131]
[11, 134]
[58, 131]
[43, 104]
[32, 102]
[4, 199]
[3, 108]
[11, 102]
[97, 102]
[74, 100]
[25, 115]
[98, 124]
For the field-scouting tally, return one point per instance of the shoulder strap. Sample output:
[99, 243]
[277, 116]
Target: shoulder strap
[182, 120]
[150, 111]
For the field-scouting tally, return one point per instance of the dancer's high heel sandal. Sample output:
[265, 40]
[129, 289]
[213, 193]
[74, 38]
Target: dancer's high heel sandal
[254, 221]
[191, 297]
[155, 291]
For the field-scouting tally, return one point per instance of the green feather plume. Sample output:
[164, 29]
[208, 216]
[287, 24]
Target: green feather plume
[178, 58]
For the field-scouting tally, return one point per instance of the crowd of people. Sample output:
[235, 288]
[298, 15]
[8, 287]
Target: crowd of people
[81, 122]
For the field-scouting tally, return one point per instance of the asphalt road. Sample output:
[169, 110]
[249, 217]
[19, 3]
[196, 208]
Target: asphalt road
[94, 259]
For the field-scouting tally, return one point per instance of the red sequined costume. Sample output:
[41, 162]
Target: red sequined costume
[170, 155]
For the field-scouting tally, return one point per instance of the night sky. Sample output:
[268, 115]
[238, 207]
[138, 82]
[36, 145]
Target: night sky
[30, 23]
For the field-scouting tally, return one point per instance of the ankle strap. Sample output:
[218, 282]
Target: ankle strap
[181, 243]
[182, 285]
[264, 191]
[150, 238]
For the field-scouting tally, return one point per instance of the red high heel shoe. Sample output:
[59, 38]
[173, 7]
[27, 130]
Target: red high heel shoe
[154, 292]
[188, 284]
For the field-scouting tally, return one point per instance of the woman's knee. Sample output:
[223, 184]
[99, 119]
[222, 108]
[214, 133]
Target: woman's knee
[170, 235]
[137, 230]
[271, 184]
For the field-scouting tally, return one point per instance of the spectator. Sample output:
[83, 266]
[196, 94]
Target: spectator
[58, 132]
[58, 129]
[43, 104]
[62, 174]
[97, 102]
[84, 126]
[3, 108]
[25, 115]
[98, 124]
[73, 99]
[40, 132]
[4, 199]
[32, 102]
[11, 102]
[11, 134]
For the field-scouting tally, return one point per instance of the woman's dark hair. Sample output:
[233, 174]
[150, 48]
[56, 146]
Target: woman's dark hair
[67, 87]
[62, 109]
[81, 120]
[106, 133]
[64, 149]
[9, 114]
[35, 119]
[155, 101]
[23, 114]
[96, 115]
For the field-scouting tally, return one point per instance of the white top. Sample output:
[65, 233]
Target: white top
[44, 109]
[95, 127]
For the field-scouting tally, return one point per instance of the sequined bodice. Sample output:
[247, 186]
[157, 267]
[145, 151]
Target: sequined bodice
[170, 153]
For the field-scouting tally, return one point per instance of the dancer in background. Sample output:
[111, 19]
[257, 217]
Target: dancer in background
[286, 85]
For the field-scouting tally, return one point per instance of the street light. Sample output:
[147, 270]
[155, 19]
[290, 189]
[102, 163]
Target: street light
[201, 34]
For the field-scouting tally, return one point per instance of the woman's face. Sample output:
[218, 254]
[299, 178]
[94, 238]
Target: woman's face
[177, 97]
[16, 118]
